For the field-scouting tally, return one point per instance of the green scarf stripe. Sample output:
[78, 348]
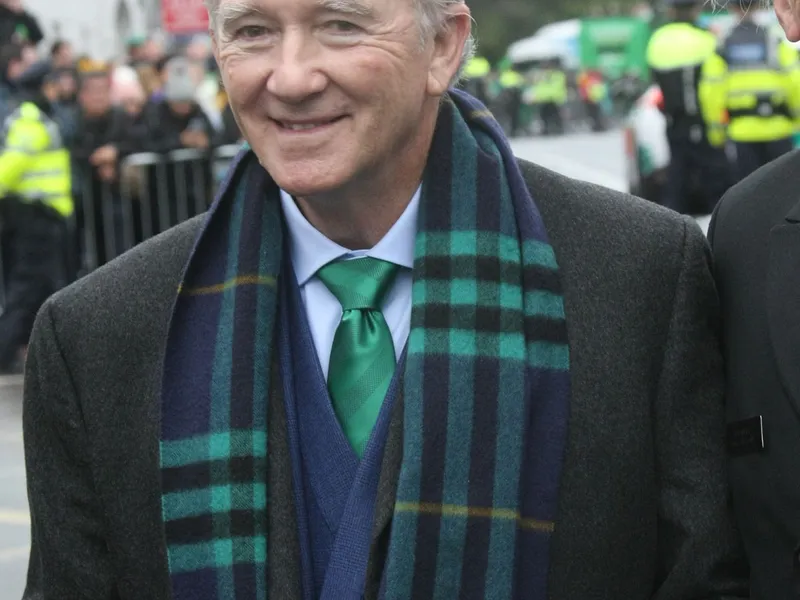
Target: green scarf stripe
[463, 213]
[510, 416]
[266, 306]
[468, 243]
[221, 397]
[215, 446]
[458, 446]
[547, 355]
[508, 466]
[223, 498]
[400, 562]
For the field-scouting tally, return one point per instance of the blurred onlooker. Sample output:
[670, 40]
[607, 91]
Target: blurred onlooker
[62, 55]
[230, 134]
[157, 87]
[12, 65]
[67, 81]
[103, 136]
[36, 207]
[177, 120]
[18, 25]
[135, 48]
[127, 91]
[152, 50]
[149, 78]
[173, 123]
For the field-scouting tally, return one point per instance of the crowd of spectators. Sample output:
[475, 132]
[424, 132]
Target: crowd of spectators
[155, 99]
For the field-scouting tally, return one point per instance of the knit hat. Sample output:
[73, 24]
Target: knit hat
[178, 83]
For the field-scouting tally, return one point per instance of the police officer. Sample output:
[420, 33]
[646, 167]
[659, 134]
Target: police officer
[698, 173]
[36, 202]
[751, 93]
[510, 83]
[475, 78]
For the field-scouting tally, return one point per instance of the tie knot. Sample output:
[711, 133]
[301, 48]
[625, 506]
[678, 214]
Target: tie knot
[360, 283]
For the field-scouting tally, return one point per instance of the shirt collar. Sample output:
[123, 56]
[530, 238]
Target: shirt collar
[311, 250]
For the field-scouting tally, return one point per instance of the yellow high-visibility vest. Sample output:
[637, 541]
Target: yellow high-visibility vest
[752, 101]
[34, 165]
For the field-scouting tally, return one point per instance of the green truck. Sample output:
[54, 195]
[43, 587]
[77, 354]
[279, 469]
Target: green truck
[615, 46]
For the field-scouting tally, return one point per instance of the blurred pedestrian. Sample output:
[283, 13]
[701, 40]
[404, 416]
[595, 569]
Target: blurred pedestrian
[393, 361]
[755, 236]
[12, 65]
[176, 120]
[62, 55]
[135, 46]
[104, 136]
[36, 204]
[18, 25]
[698, 172]
[751, 92]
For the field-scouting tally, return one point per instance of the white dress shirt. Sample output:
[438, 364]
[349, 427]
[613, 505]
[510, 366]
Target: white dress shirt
[311, 250]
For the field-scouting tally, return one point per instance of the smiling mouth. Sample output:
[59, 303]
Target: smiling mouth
[308, 126]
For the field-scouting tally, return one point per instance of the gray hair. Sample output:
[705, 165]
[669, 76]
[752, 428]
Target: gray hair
[431, 14]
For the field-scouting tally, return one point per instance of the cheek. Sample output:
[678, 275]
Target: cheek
[244, 80]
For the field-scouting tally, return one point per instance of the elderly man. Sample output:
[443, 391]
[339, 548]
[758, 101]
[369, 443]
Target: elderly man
[755, 236]
[391, 362]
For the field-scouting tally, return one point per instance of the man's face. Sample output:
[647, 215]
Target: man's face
[15, 5]
[788, 12]
[95, 96]
[65, 56]
[329, 92]
[67, 86]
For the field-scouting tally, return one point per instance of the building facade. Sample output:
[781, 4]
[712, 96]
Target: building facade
[99, 28]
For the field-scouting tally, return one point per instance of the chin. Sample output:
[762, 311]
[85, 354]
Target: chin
[307, 178]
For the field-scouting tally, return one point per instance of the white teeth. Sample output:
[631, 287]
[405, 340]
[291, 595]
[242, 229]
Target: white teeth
[303, 127]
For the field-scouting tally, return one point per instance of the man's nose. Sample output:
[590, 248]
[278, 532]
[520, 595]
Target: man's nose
[297, 74]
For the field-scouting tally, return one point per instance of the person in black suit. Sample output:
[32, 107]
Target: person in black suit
[755, 236]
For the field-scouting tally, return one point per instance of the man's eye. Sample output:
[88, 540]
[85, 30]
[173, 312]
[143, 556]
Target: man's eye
[250, 31]
[342, 27]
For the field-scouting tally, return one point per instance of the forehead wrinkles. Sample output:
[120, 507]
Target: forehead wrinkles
[229, 11]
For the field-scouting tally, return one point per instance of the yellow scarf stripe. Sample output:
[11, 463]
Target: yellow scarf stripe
[231, 283]
[452, 510]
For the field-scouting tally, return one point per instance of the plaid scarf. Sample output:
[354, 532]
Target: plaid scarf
[486, 384]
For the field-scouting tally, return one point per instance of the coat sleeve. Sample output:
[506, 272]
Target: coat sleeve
[700, 553]
[69, 556]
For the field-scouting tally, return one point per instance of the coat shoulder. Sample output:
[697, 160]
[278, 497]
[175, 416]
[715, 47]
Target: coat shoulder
[133, 293]
[751, 208]
[578, 213]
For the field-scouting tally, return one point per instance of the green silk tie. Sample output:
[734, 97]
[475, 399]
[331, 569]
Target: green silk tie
[362, 355]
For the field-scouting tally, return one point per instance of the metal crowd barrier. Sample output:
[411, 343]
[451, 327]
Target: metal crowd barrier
[153, 192]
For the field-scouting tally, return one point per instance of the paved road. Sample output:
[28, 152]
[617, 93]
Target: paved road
[14, 522]
[594, 157]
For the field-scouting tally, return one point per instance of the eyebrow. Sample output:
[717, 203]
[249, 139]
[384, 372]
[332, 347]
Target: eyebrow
[229, 13]
[346, 7]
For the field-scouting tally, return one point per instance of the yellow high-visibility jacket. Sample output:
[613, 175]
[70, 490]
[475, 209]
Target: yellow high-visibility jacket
[477, 68]
[676, 53]
[34, 165]
[750, 88]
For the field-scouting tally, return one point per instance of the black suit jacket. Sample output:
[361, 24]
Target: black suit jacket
[643, 508]
[756, 241]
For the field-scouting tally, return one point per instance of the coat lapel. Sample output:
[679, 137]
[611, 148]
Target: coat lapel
[783, 301]
[384, 502]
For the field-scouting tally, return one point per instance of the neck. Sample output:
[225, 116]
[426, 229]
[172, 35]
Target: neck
[359, 215]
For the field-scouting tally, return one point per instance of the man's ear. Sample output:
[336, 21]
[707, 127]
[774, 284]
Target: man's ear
[787, 10]
[448, 47]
